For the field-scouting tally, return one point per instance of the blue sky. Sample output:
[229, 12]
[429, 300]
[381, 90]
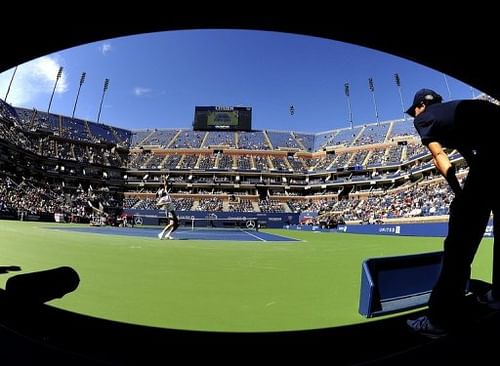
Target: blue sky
[157, 79]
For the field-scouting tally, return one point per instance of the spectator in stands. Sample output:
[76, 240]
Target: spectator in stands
[471, 127]
[165, 202]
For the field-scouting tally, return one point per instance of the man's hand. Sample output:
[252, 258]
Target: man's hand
[452, 180]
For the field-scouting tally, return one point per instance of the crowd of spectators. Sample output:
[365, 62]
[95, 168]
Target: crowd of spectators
[60, 139]
[29, 196]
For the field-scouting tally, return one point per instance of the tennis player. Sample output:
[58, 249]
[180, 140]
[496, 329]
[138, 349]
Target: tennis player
[164, 202]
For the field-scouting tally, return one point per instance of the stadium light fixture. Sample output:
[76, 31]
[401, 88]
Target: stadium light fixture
[105, 88]
[82, 80]
[10, 84]
[347, 93]
[371, 86]
[59, 74]
[447, 86]
[398, 84]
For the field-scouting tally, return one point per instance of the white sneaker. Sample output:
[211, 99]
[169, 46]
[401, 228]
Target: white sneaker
[169, 237]
[424, 327]
[160, 236]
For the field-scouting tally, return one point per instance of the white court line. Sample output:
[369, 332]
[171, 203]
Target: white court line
[286, 237]
[255, 236]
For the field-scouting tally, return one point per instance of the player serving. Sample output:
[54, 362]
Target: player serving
[164, 202]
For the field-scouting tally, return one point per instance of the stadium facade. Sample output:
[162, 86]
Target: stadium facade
[374, 172]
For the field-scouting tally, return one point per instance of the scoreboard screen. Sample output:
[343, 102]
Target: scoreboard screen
[222, 118]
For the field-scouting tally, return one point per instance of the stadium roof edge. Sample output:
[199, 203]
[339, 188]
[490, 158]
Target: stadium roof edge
[461, 55]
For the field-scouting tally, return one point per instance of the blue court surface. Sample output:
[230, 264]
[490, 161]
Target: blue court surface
[184, 233]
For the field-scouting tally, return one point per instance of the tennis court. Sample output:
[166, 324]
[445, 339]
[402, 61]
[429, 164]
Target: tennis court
[185, 233]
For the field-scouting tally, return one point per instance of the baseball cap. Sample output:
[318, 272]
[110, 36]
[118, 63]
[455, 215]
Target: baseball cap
[423, 95]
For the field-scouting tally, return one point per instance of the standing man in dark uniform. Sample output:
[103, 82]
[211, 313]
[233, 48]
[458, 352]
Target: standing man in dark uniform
[471, 127]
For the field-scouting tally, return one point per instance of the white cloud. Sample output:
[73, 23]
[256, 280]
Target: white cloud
[32, 80]
[105, 48]
[140, 91]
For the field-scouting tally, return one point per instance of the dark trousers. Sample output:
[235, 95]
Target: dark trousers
[469, 215]
[496, 250]
[175, 220]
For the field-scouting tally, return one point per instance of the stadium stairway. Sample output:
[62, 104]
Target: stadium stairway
[171, 142]
[297, 140]
[356, 138]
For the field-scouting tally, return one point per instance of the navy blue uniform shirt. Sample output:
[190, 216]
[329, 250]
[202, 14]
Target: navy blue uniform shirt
[460, 124]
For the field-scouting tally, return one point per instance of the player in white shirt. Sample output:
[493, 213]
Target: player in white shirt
[164, 202]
